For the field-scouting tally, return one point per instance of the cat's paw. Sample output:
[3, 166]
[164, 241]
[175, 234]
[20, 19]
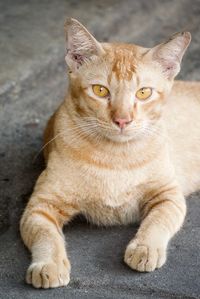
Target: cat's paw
[49, 275]
[143, 257]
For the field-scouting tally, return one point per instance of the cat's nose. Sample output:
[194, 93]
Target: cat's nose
[122, 122]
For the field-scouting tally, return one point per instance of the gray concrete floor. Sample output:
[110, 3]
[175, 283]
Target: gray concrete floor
[32, 84]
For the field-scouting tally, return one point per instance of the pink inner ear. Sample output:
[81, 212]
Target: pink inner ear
[170, 68]
[169, 65]
[73, 58]
[78, 58]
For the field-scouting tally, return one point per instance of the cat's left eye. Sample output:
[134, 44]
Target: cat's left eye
[144, 93]
[100, 91]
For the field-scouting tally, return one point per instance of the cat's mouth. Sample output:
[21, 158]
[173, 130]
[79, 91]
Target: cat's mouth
[121, 135]
[122, 131]
[130, 133]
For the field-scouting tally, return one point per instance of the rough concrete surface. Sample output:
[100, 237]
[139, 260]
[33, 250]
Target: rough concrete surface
[32, 83]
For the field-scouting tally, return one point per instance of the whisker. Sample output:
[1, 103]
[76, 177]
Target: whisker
[44, 146]
[98, 129]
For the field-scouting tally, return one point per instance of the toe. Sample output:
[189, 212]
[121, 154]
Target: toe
[36, 276]
[48, 275]
[144, 258]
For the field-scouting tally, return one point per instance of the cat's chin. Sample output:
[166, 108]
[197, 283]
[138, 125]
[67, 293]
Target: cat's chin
[121, 138]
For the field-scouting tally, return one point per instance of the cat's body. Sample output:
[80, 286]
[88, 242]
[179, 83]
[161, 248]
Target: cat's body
[182, 121]
[115, 158]
[109, 180]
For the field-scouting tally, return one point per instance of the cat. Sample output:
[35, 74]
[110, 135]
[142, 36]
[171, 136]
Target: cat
[123, 147]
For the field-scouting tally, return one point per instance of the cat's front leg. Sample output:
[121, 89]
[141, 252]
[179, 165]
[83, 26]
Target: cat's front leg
[41, 231]
[163, 214]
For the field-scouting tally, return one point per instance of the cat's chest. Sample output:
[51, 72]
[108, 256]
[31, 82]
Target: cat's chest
[111, 197]
[109, 187]
[107, 196]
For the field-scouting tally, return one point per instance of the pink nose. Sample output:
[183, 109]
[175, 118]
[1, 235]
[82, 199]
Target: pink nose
[121, 122]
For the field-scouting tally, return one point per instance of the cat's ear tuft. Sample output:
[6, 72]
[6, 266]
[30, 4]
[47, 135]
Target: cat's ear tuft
[170, 53]
[81, 45]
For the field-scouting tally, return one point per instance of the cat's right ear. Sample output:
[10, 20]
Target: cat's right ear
[81, 45]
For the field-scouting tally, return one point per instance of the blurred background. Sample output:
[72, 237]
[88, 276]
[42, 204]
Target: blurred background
[33, 82]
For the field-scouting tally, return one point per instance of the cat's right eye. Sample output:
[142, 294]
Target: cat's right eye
[100, 91]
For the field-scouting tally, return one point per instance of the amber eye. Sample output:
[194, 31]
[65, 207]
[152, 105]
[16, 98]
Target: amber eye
[144, 93]
[100, 91]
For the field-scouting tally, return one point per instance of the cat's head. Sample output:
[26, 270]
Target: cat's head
[118, 90]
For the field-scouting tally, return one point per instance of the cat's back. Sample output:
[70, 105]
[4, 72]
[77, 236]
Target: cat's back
[187, 90]
[182, 110]
[182, 119]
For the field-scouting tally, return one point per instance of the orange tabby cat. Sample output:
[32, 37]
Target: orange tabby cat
[123, 147]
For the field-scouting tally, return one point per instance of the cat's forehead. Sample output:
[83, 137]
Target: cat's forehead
[124, 59]
[122, 65]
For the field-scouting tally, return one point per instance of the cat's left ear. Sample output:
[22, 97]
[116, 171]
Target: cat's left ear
[170, 53]
[81, 45]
